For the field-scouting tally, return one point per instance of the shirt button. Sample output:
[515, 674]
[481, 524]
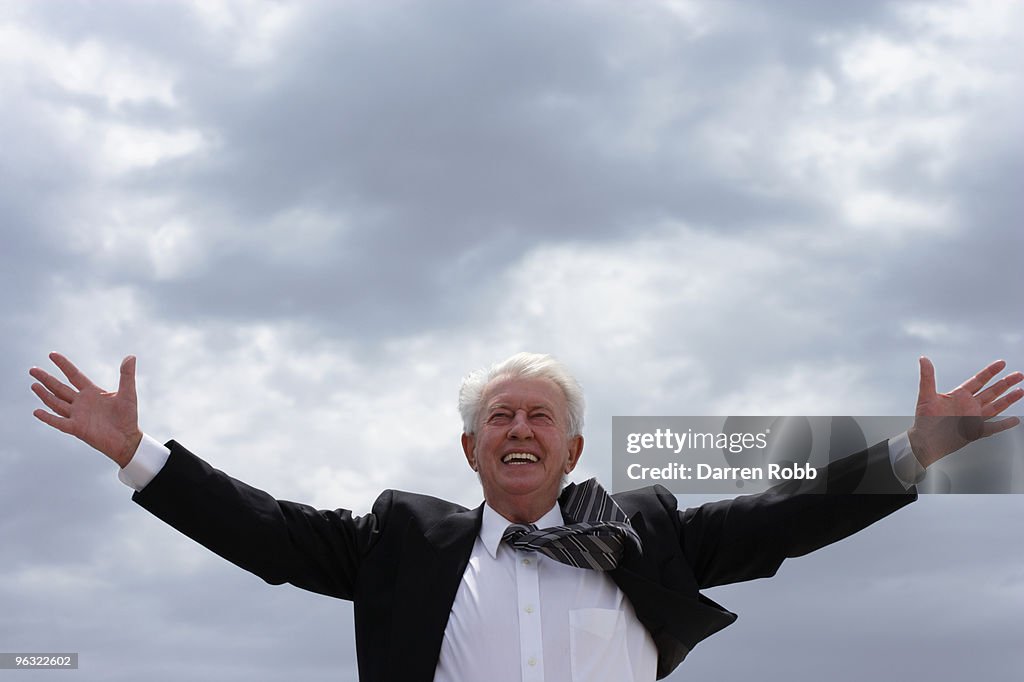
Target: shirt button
[532, 661]
[526, 562]
[529, 608]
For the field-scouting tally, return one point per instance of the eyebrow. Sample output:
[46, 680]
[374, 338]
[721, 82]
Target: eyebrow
[531, 408]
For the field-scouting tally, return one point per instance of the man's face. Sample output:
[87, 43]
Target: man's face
[521, 448]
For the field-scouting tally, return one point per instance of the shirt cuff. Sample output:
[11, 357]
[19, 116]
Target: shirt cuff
[904, 462]
[147, 462]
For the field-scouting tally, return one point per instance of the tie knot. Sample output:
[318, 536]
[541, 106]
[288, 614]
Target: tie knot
[598, 546]
[516, 531]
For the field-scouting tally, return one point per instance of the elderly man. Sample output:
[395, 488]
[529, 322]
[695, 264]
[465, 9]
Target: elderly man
[539, 582]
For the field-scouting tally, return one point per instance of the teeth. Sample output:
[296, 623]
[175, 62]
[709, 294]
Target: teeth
[519, 457]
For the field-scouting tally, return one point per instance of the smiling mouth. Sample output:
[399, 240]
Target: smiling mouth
[519, 458]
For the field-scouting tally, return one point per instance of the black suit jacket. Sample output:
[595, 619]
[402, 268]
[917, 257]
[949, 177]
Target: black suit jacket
[402, 563]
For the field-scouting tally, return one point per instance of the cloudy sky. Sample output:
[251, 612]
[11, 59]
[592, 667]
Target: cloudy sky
[310, 220]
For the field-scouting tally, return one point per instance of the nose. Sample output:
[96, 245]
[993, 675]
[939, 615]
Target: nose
[520, 428]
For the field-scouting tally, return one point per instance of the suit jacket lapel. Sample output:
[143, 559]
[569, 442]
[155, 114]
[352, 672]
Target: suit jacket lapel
[675, 620]
[432, 568]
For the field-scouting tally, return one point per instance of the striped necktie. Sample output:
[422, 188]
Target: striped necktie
[595, 540]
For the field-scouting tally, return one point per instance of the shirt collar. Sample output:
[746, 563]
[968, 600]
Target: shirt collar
[493, 526]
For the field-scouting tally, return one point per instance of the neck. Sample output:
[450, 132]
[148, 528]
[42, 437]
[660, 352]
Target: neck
[523, 511]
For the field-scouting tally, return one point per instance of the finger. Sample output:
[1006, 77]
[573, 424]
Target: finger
[74, 375]
[126, 385]
[926, 388]
[59, 423]
[55, 385]
[992, 428]
[999, 406]
[998, 388]
[978, 381]
[52, 401]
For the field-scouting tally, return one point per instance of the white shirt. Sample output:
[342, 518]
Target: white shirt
[519, 616]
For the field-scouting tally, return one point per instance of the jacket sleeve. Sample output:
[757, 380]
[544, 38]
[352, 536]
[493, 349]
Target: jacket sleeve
[277, 540]
[750, 536]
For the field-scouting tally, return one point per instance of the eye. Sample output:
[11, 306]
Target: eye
[498, 417]
[541, 416]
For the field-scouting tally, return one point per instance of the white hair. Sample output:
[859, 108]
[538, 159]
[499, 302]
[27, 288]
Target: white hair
[526, 365]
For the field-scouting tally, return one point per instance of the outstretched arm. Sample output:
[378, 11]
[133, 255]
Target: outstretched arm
[945, 422]
[277, 540]
[107, 421]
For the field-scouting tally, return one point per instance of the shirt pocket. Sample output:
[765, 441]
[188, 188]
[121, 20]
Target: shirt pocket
[597, 646]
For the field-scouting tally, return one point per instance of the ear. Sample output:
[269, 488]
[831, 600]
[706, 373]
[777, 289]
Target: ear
[575, 451]
[468, 447]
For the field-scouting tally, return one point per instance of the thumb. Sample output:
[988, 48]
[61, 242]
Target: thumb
[126, 385]
[926, 388]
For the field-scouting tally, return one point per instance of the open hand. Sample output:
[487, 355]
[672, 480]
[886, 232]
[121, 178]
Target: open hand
[945, 422]
[107, 421]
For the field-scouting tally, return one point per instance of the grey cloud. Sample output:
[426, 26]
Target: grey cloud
[442, 128]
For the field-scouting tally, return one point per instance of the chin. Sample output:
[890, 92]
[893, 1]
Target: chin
[527, 487]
